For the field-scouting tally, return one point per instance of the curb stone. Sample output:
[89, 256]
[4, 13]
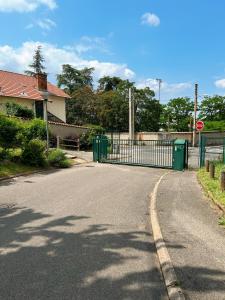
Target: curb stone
[169, 275]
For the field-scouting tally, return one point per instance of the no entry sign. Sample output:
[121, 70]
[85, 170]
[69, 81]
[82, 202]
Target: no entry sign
[200, 125]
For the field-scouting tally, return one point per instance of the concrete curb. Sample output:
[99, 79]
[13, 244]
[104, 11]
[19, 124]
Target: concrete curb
[169, 275]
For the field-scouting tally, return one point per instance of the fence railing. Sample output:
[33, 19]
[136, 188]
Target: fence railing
[68, 143]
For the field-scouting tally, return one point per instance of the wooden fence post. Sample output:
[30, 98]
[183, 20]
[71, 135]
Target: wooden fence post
[58, 141]
[222, 181]
[207, 165]
[212, 170]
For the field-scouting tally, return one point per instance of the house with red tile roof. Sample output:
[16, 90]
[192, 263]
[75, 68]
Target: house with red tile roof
[32, 91]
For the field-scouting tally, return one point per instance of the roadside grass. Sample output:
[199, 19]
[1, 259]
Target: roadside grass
[8, 168]
[212, 186]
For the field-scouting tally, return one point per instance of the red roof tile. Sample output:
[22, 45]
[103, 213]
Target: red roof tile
[23, 86]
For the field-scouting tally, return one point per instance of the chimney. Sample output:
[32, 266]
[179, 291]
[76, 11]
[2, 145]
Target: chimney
[42, 83]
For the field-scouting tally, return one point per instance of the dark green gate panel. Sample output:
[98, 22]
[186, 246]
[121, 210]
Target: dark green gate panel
[133, 152]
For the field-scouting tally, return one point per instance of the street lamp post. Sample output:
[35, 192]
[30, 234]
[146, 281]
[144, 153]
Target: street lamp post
[159, 82]
[45, 95]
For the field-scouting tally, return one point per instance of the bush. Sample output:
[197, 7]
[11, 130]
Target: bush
[14, 109]
[35, 129]
[34, 153]
[57, 158]
[9, 132]
[86, 138]
[214, 126]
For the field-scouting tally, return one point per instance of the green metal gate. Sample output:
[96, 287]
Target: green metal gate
[211, 148]
[131, 152]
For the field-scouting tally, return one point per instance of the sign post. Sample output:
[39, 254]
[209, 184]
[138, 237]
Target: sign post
[199, 128]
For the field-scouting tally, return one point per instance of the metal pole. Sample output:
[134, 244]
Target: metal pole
[46, 120]
[199, 147]
[159, 82]
[195, 114]
[131, 116]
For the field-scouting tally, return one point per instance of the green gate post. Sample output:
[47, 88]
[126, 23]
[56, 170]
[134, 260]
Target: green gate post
[202, 151]
[95, 149]
[179, 155]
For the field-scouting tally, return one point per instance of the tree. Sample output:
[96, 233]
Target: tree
[177, 114]
[112, 111]
[72, 79]
[107, 83]
[36, 66]
[213, 108]
[148, 110]
[81, 109]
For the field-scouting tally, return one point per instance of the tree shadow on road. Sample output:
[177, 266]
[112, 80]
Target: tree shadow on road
[46, 258]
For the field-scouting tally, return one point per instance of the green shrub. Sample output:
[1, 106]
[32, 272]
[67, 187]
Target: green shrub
[14, 109]
[35, 129]
[86, 138]
[33, 153]
[9, 132]
[214, 126]
[57, 158]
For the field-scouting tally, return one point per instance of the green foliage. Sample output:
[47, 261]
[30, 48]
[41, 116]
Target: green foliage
[37, 66]
[72, 79]
[9, 131]
[35, 129]
[86, 139]
[212, 186]
[14, 109]
[81, 109]
[177, 114]
[222, 221]
[107, 83]
[214, 125]
[113, 111]
[148, 110]
[57, 158]
[34, 153]
[213, 108]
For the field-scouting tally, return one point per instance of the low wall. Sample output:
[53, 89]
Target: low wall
[159, 136]
[64, 130]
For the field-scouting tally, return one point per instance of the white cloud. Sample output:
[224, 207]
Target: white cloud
[168, 90]
[17, 59]
[150, 19]
[25, 5]
[220, 83]
[88, 43]
[46, 24]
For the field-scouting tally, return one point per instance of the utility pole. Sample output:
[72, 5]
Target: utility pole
[195, 114]
[131, 116]
[159, 82]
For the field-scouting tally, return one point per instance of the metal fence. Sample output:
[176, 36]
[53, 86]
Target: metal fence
[211, 148]
[132, 152]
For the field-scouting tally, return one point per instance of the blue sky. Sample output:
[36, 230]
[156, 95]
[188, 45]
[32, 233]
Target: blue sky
[180, 41]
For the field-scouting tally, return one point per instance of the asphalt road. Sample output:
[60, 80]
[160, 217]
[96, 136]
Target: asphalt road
[195, 241]
[81, 233]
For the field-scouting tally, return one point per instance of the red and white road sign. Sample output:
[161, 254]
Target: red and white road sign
[199, 125]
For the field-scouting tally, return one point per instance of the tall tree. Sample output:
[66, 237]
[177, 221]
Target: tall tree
[112, 111]
[37, 66]
[107, 83]
[72, 79]
[148, 110]
[177, 114]
[213, 108]
[81, 109]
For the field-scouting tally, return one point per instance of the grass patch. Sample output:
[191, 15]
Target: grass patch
[213, 185]
[8, 168]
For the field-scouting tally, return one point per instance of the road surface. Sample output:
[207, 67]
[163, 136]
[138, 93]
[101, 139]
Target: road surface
[81, 233]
